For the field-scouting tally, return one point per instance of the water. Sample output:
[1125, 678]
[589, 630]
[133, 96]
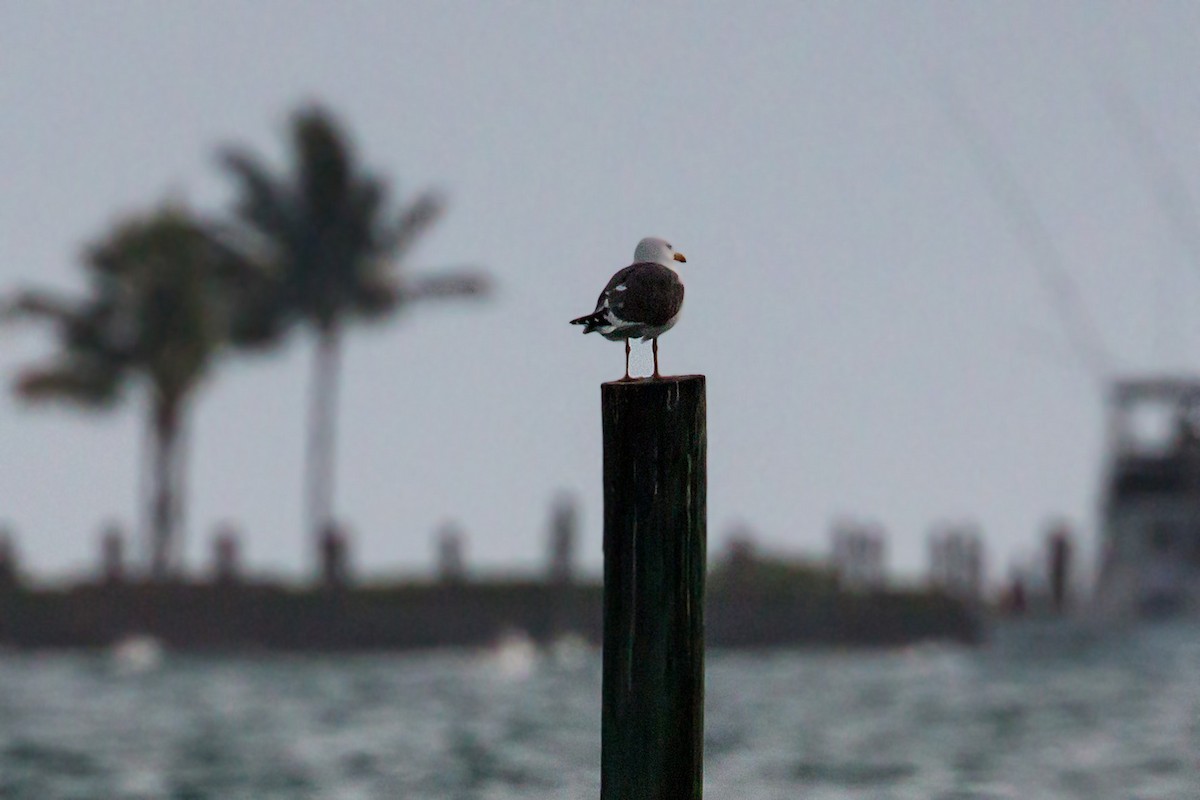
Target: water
[1030, 717]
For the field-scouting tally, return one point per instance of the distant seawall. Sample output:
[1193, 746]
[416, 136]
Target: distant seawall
[267, 616]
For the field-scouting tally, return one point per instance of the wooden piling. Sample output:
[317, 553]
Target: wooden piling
[652, 737]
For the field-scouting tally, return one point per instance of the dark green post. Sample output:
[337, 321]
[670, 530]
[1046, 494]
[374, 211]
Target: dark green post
[652, 737]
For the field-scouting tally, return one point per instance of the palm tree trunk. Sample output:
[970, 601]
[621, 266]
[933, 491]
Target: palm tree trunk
[179, 458]
[147, 456]
[162, 511]
[322, 421]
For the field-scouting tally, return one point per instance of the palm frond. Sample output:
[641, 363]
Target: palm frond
[376, 299]
[414, 219]
[33, 304]
[360, 220]
[323, 162]
[340, 249]
[259, 312]
[263, 203]
[75, 382]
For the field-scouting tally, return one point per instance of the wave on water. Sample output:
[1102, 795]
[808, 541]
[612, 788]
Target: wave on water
[1108, 719]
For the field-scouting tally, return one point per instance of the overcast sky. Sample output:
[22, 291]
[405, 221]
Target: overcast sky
[878, 330]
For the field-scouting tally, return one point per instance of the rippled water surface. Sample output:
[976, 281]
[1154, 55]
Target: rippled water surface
[1032, 716]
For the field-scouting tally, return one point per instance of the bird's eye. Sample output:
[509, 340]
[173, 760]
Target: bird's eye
[670, 248]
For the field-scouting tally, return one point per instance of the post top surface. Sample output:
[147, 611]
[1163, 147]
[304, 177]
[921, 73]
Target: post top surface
[666, 380]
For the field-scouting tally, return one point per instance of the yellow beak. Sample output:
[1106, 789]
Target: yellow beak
[680, 257]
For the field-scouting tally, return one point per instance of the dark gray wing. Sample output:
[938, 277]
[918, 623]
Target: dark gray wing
[652, 294]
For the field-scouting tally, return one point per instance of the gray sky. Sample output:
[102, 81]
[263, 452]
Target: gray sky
[876, 337]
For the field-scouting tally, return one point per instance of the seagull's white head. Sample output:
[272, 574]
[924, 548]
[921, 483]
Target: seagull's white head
[656, 251]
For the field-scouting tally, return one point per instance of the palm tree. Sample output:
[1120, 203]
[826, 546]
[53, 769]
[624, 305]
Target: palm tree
[155, 313]
[334, 247]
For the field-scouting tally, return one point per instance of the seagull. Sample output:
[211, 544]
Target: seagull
[642, 300]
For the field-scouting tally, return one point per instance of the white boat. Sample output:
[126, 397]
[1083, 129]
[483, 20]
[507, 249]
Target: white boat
[1150, 513]
[513, 657]
[134, 655]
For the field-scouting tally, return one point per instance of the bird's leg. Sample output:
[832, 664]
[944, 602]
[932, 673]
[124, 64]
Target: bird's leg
[654, 346]
[626, 361]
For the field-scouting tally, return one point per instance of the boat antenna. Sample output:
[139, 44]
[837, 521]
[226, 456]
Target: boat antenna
[1170, 190]
[1166, 182]
[1028, 227]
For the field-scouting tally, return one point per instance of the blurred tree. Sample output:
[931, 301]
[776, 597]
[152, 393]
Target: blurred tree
[334, 247]
[156, 311]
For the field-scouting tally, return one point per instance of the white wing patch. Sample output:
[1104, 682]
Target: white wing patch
[615, 323]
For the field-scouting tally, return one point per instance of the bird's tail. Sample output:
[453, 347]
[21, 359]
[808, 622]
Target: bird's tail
[591, 321]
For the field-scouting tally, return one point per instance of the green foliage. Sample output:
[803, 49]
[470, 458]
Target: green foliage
[330, 239]
[161, 294]
[318, 244]
[156, 308]
[331, 247]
